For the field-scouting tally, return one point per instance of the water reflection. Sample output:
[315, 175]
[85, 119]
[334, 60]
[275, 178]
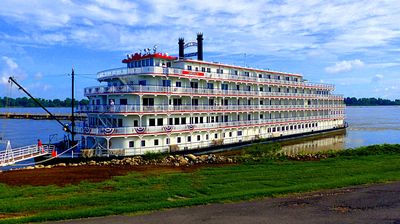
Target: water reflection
[316, 144]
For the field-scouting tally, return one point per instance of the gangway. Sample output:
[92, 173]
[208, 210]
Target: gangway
[11, 156]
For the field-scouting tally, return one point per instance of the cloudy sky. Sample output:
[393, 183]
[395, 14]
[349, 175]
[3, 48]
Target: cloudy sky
[352, 44]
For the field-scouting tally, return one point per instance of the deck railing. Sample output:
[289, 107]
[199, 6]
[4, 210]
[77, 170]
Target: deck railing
[197, 91]
[211, 75]
[196, 108]
[203, 126]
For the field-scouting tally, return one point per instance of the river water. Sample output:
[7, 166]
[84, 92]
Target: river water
[367, 126]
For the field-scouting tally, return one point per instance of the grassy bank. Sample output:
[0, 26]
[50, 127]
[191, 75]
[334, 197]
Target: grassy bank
[138, 192]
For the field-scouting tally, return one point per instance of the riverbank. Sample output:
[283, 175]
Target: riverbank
[260, 172]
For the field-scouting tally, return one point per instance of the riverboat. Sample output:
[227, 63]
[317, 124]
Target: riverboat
[159, 103]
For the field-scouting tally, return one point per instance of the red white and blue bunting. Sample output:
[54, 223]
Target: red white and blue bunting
[190, 126]
[168, 128]
[140, 130]
[108, 131]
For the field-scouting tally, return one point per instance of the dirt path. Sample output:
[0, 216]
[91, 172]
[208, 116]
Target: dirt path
[378, 203]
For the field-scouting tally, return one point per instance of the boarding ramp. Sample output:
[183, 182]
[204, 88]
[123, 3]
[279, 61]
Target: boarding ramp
[11, 156]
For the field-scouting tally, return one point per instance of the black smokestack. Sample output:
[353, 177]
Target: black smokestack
[181, 43]
[200, 46]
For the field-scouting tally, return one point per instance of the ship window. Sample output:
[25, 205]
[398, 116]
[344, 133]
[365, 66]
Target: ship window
[183, 120]
[198, 137]
[210, 85]
[287, 90]
[194, 85]
[206, 136]
[295, 79]
[195, 102]
[237, 87]
[189, 67]
[239, 133]
[210, 102]
[248, 88]
[123, 101]
[279, 90]
[120, 123]
[147, 62]
[189, 138]
[261, 116]
[268, 76]
[142, 82]
[225, 118]
[177, 102]
[261, 102]
[131, 144]
[224, 86]
[178, 84]
[196, 120]
[160, 122]
[166, 82]
[152, 122]
[261, 89]
[143, 63]
[287, 79]
[246, 74]
[135, 123]
[178, 139]
[156, 142]
[167, 141]
[143, 143]
[269, 89]
[221, 71]
[208, 69]
[151, 62]
[148, 101]
[203, 69]
[177, 121]
[278, 77]
[248, 102]
[230, 134]
[259, 75]
[168, 64]
[196, 69]
[215, 135]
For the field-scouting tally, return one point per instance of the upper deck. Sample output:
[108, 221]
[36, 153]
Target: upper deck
[262, 77]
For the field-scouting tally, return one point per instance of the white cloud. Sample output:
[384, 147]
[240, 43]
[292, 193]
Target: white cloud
[377, 78]
[344, 66]
[10, 63]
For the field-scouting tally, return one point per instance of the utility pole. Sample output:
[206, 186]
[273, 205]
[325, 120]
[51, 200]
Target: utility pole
[73, 107]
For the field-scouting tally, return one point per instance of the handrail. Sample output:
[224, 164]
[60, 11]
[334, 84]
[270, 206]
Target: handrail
[136, 108]
[201, 91]
[186, 127]
[110, 73]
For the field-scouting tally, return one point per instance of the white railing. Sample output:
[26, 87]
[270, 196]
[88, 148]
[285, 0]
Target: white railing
[12, 156]
[211, 75]
[193, 108]
[196, 91]
[204, 126]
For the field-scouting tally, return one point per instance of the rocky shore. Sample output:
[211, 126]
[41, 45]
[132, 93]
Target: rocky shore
[170, 160]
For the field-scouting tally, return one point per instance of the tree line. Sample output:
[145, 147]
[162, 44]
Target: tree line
[352, 101]
[28, 102]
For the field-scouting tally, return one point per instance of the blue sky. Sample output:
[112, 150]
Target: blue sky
[352, 44]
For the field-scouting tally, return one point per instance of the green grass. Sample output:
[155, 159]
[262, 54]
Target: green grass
[136, 192]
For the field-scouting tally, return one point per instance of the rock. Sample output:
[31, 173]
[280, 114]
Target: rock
[92, 162]
[191, 157]
[61, 164]
[48, 166]
[29, 167]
